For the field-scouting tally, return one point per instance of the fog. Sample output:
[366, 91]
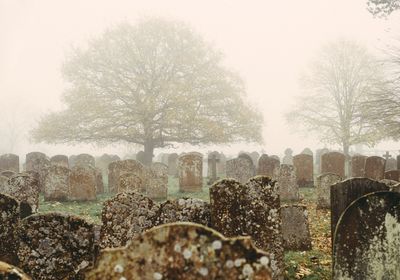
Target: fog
[269, 43]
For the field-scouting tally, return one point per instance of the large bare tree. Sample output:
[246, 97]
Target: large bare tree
[153, 84]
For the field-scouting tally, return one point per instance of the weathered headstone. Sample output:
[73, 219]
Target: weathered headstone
[254, 157]
[9, 219]
[358, 165]
[241, 169]
[157, 187]
[118, 168]
[345, 192]
[268, 166]
[84, 160]
[375, 168]
[307, 151]
[393, 175]
[25, 188]
[3, 183]
[288, 158]
[369, 247]
[183, 251]
[287, 183]
[10, 272]
[124, 217]
[190, 167]
[212, 172]
[56, 183]
[304, 168]
[295, 228]
[99, 180]
[333, 162]
[37, 162]
[60, 160]
[129, 182]
[323, 189]
[173, 164]
[9, 162]
[55, 246]
[82, 183]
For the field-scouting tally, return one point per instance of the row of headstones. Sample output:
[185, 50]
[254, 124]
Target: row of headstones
[56, 246]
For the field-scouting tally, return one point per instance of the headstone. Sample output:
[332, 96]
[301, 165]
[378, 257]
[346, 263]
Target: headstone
[240, 169]
[7, 173]
[190, 168]
[25, 188]
[345, 192]
[375, 168]
[295, 228]
[268, 166]
[124, 217]
[391, 164]
[84, 160]
[307, 151]
[82, 183]
[173, 164]
[9, 219]
[213, 161]
[157, 188]
[369, 248]
[99, 180]
[393, 175]
[37, 162]
[3, 183]
[304, 168]
[183, 251]
[9, 162]
[358, 165]
[323, 189]
[130, 182]
[118, 168]
[221, 166]
[10, 272]
[288, 158]
[287, 183]
[55, 246]
[333, 162]
[60, 160]
[71, 160]
[103, 161]
[56, 183]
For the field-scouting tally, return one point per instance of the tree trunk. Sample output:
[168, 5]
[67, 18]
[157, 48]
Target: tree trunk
[346, 148]
[148, 153]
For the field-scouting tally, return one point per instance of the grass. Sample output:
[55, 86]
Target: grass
[310, 265]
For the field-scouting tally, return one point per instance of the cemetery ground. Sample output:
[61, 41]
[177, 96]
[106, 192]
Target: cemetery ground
[314, 264]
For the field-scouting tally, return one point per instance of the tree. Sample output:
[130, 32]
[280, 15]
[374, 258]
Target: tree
[382, 8]
[154, 84]
[340, 82]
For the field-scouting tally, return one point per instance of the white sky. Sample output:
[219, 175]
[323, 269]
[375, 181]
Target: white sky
[268, 42]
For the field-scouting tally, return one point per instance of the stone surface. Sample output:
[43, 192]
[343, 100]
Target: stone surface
[9, 162]
[333, 162]
[37, 162]
[130, 182]
[240, 169]
[3, 183]
[55, 246]
[9, 272]
[173, 164]
[118, 168]
[391, 164]
[375, 168]
[183, 251]
[345, 192]
[84, 160]
[358, 165]
[7, 173]
[60, 160]
[304, 168]
[295, 228]
[268, 166]
[323, 189]
[393, 175]
[157, 187]
[99, 180]
[56, 183]
[369, 248]
[9, 219]
[287, 183]
[82, 182]
[190, 168]
[288, 157]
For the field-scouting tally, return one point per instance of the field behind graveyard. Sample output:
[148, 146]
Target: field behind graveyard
[311, 265]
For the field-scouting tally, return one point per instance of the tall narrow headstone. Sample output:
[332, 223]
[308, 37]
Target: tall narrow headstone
[375, 168]
[190, 167]
[304, 168]
[213, 161]
[287, 183]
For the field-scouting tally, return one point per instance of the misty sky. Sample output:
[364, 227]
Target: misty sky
[268, 42]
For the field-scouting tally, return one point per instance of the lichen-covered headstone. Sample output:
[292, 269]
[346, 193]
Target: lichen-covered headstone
[129, 182]
[304, 168]
[56, 183]
[60, 160]
[287, 183]
[295, 228]
[118, 168]
[375, 168]
[82, 182]
[345, 192]
[10, 272]
[367, 238]
[37, 162]
[125, 216]
[55, 246]
[393, 175]
[240, 169]
[323, 189]
[25, 188]
[183, 251]
[358, 165]
[157, 187]
[268, 166]
[9, 219]
[9, 162]
[84, 160]
[190, 169]
[333, 162]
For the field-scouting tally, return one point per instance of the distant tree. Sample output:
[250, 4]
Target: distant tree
[339, 83]
[153, 84]
[382, 8]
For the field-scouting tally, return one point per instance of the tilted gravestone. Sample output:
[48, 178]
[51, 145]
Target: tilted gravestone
[9, 219]
[295, 228]
[375, 168]
[268, 166]
[82, 182]
[10, 272]
[183, 251]
[369, 247]
[60, 160]
[323, 189]
[9, 162]
[124, 217]
[287, 183]
[393, 175]
[240, 169]
[56, 183]
[55, 246]
[358, 165]
[173, 164]
[252, 209]
[345, 192]
[304, 168]
[190, 168]
[333, 162]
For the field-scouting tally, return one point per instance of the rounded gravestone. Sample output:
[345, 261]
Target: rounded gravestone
[268, 166]
[240, 169]
[82, 183]
[333, 162]
[358, 165]
[369, 248]
[60, 160]
[375, 168]
[9, 219]
[304, 168]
